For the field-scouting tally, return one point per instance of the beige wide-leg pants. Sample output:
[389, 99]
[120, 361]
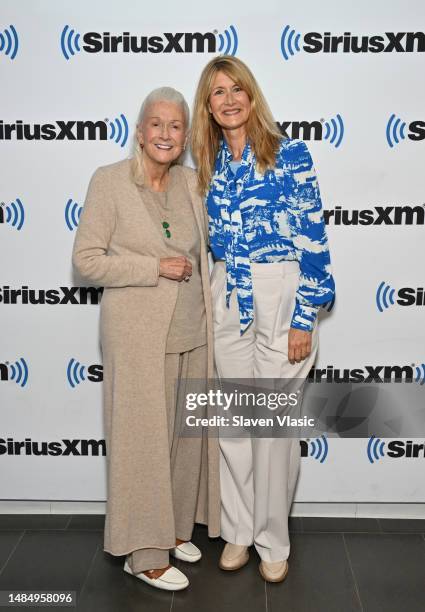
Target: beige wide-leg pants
[185, 455]
[258, 475]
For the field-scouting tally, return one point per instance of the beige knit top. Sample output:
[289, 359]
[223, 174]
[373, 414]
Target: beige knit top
[188, 324]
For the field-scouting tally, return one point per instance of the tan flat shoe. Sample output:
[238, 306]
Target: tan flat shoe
[233, 557]
[274, 572]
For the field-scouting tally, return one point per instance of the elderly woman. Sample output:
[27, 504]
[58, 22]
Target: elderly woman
[142, 235]
[271, 274]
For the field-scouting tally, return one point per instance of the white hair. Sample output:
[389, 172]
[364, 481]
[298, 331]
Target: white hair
[161, 94]
[164, 94]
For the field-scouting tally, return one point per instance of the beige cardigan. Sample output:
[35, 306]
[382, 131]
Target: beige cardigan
[118, 246]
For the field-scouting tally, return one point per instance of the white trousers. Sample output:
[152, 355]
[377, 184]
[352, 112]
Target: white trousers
[258, 475]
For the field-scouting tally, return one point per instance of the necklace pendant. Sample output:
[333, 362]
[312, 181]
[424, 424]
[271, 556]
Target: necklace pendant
[167, 232]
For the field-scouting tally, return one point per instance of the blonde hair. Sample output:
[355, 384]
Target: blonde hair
[261, 129]
[161, 94]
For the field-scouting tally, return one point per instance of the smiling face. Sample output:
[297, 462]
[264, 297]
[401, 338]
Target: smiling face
[228, 103]
[162, 132]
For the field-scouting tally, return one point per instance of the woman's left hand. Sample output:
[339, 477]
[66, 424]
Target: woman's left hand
[299, 344]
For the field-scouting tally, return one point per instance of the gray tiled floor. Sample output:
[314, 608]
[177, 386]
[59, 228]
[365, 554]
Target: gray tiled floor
[336, 565]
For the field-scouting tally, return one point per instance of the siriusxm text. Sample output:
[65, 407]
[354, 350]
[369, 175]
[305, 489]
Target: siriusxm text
[168, 42]
[368, 374]
[400, 42]
[61, 295]
[378, 215]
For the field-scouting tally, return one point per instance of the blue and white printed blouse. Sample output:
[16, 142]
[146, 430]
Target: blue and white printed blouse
[276, 216]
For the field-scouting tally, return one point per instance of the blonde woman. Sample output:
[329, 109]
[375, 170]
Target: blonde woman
[142, 235]
[271, 274]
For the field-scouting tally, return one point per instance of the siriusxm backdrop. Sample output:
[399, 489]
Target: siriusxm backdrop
[348, 79]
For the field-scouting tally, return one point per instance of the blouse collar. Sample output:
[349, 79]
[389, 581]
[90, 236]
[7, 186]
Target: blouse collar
[225, 155]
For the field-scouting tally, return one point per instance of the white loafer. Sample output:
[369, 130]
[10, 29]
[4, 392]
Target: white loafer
[171, 580]
[186, 552]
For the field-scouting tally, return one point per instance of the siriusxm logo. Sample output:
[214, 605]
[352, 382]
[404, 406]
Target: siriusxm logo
[9, 42]
[396, 130]
[77, 373]
[378, 215]
[395, 449]
[116, 130]
[406, 296]
[62, 295]
[292, 42]
[13, 213]
[331, 130]
[72, 42]
[369, 374]
[72, 214]
[64, 447]
[318, 448]
[16, 371]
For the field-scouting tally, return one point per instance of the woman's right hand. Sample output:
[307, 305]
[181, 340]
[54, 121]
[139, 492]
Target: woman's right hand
[175, 268]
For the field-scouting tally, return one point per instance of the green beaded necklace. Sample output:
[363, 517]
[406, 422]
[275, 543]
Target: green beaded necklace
[165, 224]
[167, 232]
[162, 213]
